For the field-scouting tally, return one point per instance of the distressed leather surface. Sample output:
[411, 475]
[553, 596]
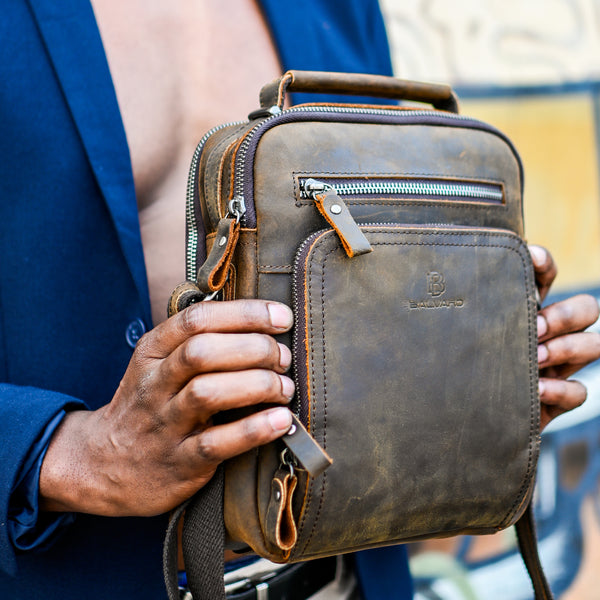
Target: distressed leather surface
[384, 372]
[445, 409]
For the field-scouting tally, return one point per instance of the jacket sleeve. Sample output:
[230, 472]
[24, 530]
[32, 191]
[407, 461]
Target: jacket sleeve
[26, 414]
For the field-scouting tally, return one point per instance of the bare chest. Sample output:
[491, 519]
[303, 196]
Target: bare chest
[179, 68]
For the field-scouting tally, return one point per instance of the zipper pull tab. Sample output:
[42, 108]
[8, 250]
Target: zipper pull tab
[280, 530]
[336, 213]
[305, 449]
[213, 274]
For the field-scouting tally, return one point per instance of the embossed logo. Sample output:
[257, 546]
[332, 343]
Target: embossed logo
[436, 285]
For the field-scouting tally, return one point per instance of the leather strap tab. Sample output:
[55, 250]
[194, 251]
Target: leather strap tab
[280, 527]
[336, 213]
[438, 95]
[212, 275]
[305, 448]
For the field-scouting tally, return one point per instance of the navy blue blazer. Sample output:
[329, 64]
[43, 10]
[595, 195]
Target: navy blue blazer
[73, 289]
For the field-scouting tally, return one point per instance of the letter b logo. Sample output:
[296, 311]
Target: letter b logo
[436, 285]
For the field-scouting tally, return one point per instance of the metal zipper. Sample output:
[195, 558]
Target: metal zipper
[299, 324]
[190, 210]
[239, 181]
[405, 187]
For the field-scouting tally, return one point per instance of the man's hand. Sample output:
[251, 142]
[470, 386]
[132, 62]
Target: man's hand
[155, 444]
[564, 345]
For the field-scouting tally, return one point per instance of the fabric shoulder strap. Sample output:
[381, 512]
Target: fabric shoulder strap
[203, 541]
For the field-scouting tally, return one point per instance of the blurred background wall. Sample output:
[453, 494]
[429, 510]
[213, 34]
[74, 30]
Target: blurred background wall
[532, 69]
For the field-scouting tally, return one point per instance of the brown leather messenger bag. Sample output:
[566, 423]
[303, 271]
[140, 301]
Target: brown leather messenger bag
[396, 234]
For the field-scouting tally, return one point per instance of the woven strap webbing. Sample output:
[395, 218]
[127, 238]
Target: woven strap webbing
[203, 543]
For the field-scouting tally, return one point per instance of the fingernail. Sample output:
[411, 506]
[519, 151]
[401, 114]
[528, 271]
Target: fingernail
[280, 315]
[542, 354]
[542, 326]
[287, 387]
[285, 356]
[538, 255]
[280, 419]
[541, 388]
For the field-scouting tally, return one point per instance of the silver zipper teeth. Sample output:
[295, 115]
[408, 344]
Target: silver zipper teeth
[191, 221]
[296, 303]
[415, 188]
[243, 149]
[190, 213]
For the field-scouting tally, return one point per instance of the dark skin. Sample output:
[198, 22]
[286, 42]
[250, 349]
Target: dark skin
[565, 347]
[155, 443]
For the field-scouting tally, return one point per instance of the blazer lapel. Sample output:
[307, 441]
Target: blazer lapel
[74, 45]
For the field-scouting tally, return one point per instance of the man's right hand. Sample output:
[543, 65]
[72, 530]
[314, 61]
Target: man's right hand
[154, 445]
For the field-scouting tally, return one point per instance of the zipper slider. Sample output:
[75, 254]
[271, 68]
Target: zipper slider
[311, 187]
[237, 208]
[336, 213]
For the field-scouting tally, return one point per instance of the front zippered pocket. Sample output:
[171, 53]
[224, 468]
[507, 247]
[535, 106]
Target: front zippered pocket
[415, 350]
[332, 195]
[363, 189]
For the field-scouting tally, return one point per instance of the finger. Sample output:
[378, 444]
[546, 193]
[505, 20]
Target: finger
[220, 442]
[237, 316]
[206, 395]
[544, 267]
[567, 316]
[213, 352]
[558, 396]
[564, 355]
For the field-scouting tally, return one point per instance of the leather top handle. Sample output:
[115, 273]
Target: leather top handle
[439, 95]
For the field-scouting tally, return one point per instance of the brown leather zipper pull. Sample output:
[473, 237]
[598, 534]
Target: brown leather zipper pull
[212, 275]
[280, 527]
[336, 213]
[306, 450]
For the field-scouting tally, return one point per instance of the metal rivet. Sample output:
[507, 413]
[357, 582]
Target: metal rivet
[277, 495]
[222, 241]
[292, 430]
[336, 209]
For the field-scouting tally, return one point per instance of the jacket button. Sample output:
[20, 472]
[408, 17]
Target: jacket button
[135, 330]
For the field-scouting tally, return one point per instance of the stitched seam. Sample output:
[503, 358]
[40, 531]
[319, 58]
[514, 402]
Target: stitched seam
[346, 175]
[309, 325]
[458, 204]
[534, 418]
[324, 480]
[275, 266]
[255, 243]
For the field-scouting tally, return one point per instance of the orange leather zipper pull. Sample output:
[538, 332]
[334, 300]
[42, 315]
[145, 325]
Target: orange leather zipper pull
[280, 528]
[212, 275]
[336, 213]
